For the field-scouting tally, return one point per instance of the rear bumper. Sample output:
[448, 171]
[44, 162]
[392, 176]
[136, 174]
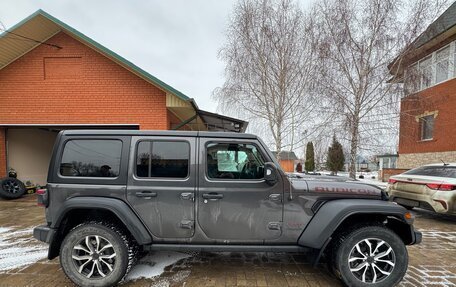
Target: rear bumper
[440, 202]
[44, 233]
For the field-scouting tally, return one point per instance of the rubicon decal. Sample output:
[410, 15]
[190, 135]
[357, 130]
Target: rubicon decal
[345, 190]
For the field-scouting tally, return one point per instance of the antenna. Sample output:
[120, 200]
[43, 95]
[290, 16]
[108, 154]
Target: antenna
[444, 163]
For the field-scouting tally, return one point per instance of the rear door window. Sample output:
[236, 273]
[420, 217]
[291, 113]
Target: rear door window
[91, 158]
[162, 159]
[438, 171]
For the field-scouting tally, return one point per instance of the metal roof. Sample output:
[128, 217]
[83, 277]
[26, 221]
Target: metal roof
[388, 155]
[216, 122]
[435, 36]
[442, 24]
[286, 155]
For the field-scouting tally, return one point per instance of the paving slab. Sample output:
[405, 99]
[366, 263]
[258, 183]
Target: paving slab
[432, 263]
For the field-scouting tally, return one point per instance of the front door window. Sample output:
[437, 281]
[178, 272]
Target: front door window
[234, 161]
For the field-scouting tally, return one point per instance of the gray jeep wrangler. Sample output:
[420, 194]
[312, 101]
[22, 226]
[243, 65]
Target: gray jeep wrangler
[112, 193]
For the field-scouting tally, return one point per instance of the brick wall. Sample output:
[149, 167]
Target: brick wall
[412, 160]
[384, 174]
[2, 153]
[76, 85]
[287, 165]
[440, 98]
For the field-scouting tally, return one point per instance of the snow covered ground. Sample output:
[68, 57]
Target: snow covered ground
[18, 248]
[154, 263]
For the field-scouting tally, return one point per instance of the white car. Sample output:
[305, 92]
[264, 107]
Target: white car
[430, 186]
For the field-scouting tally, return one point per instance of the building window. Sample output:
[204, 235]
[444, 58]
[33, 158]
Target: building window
[91, 158]
[412, 79]
[427, 127]
[442, 65]
[436, 68]
[162, 159]
[426, 72]
[453, 62]
[234, 161]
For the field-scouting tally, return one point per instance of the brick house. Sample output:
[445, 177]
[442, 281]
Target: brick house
[428, 119]
[64, 80]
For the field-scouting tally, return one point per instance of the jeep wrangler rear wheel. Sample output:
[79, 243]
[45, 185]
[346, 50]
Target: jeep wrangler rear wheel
[370, 256]
[96, 254]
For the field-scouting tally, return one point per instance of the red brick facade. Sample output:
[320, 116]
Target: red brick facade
[75, 85]
[386, 173]
[2, 153]
[441, 99]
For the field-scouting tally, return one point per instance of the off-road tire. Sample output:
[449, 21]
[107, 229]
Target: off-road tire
[123, 245]
[11, 188]
[344, 243]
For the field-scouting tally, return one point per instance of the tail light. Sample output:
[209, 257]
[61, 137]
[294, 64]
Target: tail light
[447, 187]
[442, 187]
[392, 181]
[43, 198]
[434, 186]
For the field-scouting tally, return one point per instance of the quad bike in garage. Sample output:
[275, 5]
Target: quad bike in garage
[11, 187]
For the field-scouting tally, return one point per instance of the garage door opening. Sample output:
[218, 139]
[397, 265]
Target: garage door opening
[29, 149]
[29, 152]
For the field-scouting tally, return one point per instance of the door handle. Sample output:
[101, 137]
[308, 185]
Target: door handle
[144, 193]
[187, 196]
[274, 226]
[212, 196]
[275, 197]
[187, 224]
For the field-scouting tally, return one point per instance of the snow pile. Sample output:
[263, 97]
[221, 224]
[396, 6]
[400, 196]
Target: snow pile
[153, 264]
[18, 248]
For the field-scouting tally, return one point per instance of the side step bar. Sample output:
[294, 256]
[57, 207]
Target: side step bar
[227, 248]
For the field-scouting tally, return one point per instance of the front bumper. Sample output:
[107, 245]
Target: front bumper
[417, 237]
[44, 233]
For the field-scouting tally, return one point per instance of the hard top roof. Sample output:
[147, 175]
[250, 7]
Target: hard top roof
[157, 133]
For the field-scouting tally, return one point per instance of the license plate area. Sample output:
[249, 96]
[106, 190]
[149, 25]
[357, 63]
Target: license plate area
[410, 187]
[407, 202]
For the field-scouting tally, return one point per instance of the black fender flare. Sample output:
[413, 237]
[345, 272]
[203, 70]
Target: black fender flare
[123, 212]
[329, 217]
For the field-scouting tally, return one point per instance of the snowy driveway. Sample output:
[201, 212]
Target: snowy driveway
[23, 263]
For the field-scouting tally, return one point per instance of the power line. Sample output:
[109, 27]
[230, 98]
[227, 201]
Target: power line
[27, 38]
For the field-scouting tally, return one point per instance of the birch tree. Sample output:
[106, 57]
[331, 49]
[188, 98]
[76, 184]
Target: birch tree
[268, 69]
[356, 41]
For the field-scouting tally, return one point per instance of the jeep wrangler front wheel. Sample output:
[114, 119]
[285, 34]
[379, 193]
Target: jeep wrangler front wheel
[370, 256]
[96, 254]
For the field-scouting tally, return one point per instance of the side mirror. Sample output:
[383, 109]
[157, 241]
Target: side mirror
[270, 173]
